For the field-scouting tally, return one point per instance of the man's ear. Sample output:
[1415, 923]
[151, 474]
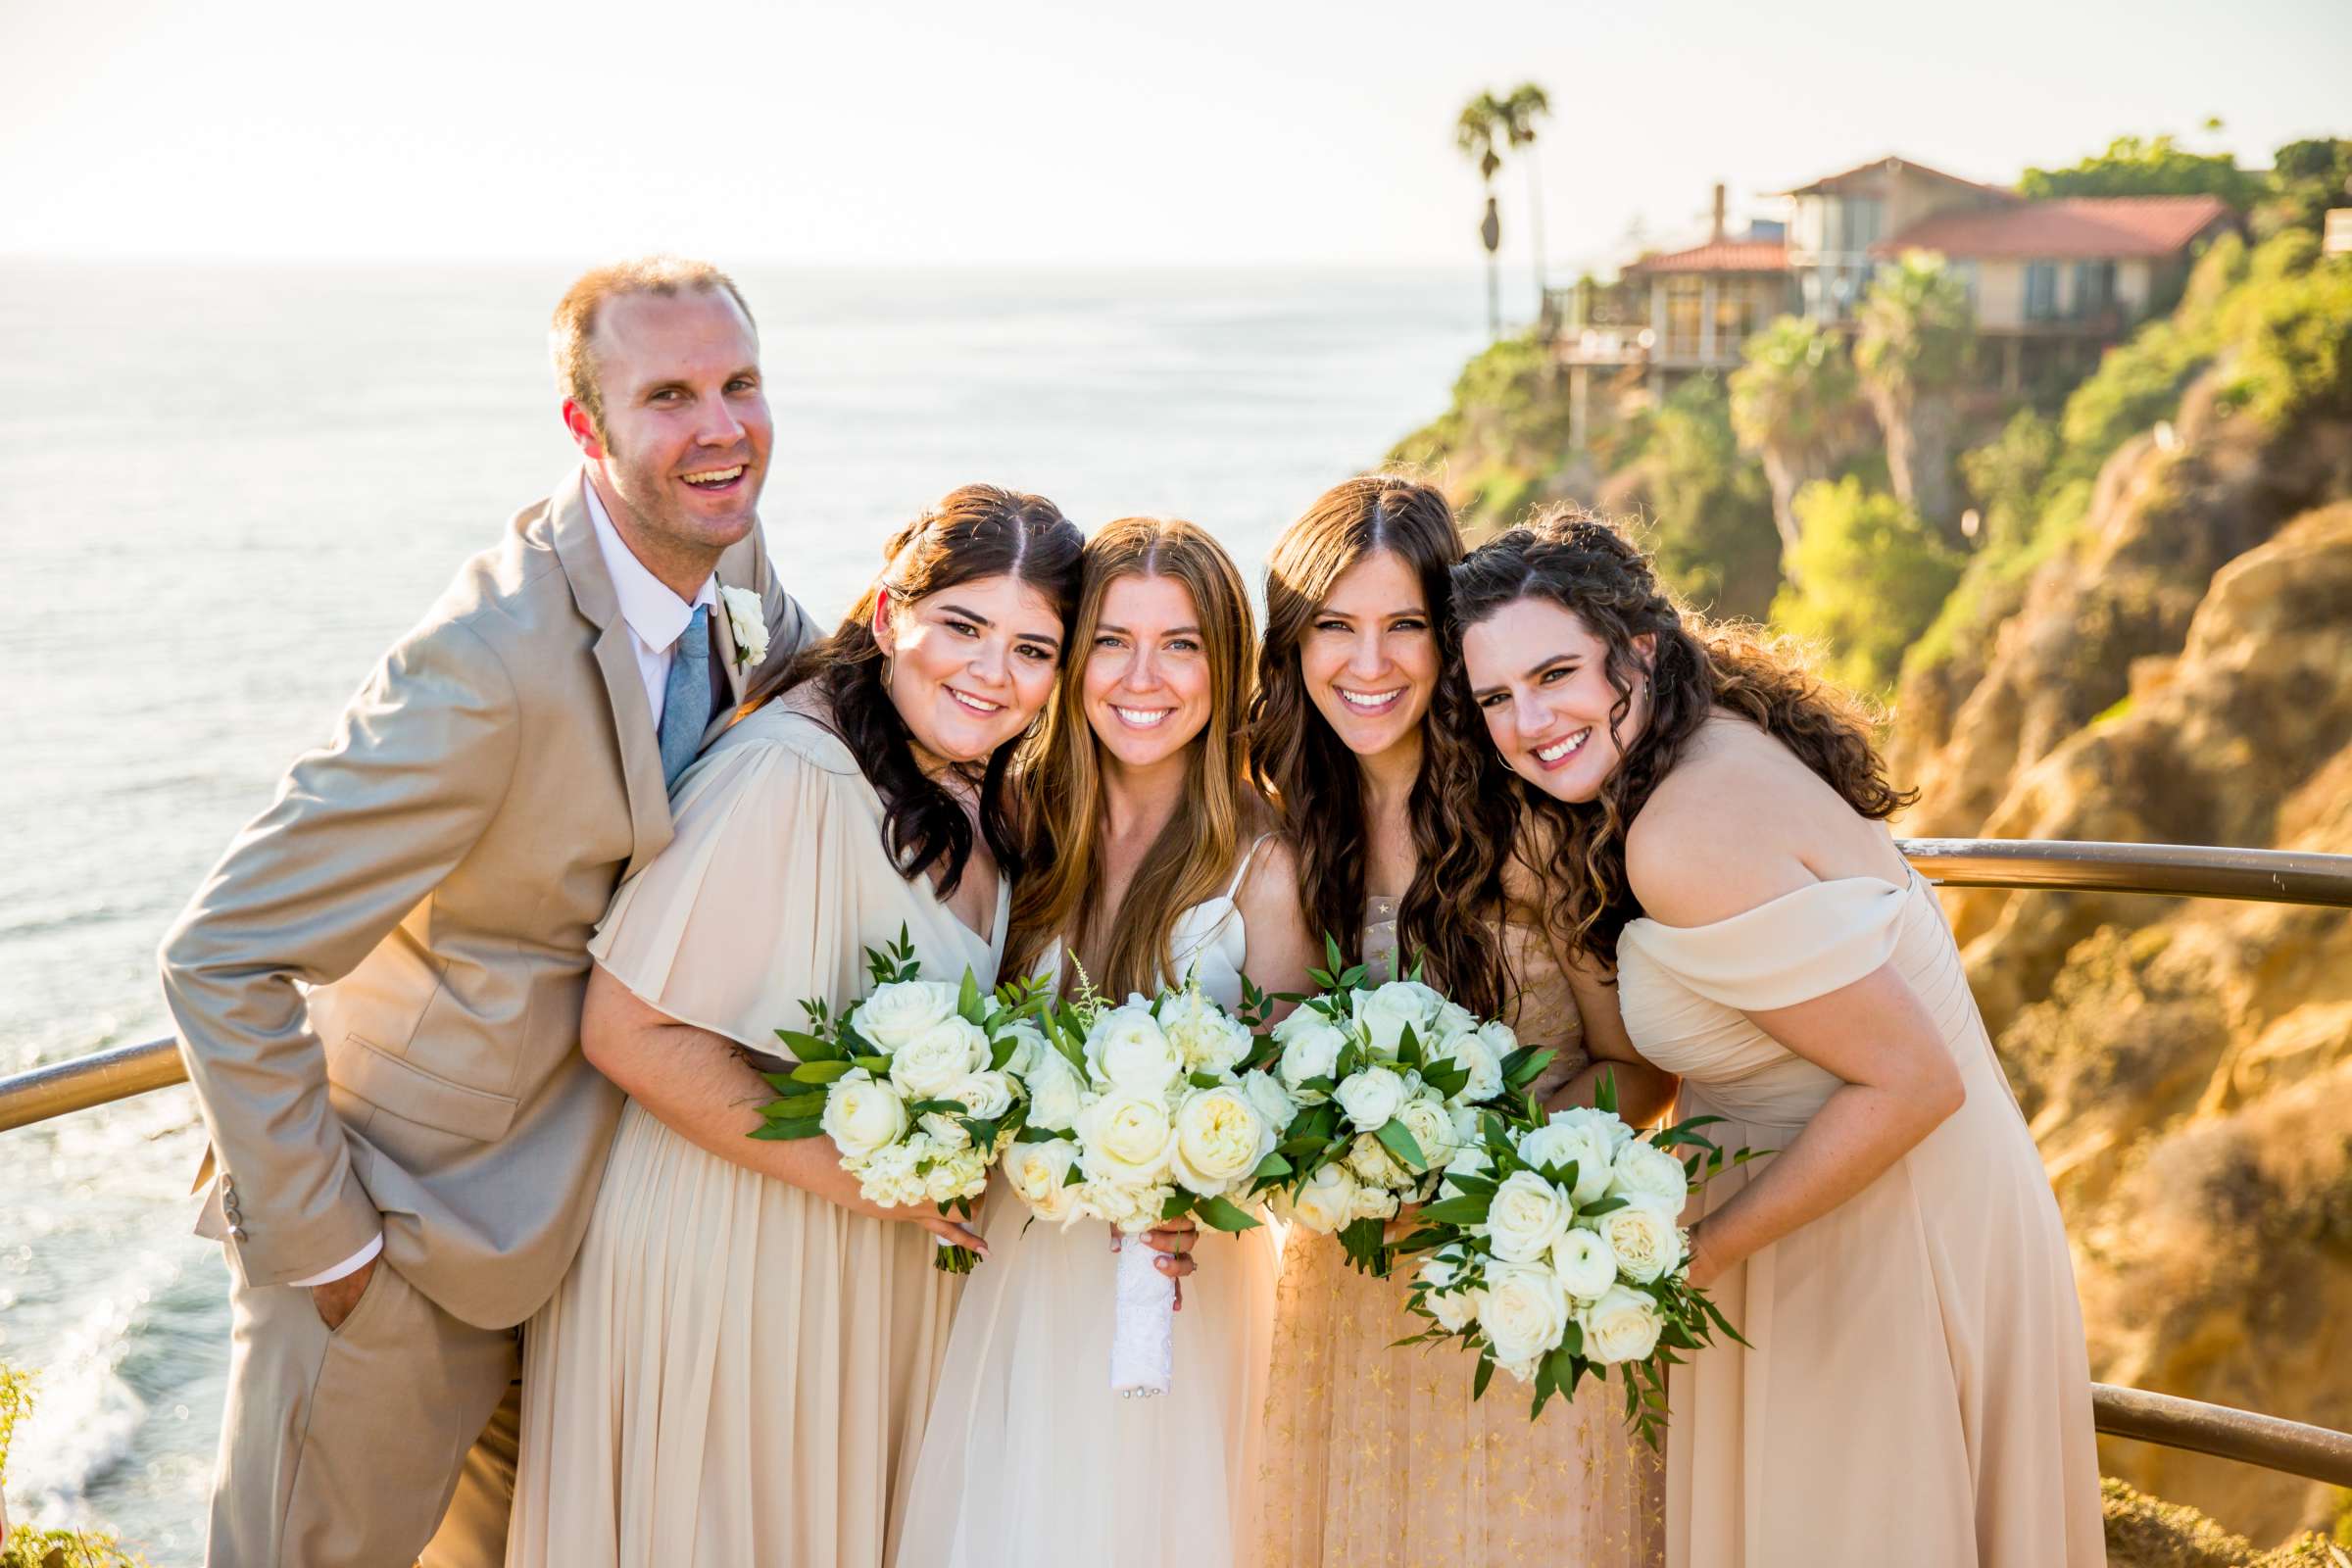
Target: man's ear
[582, 430]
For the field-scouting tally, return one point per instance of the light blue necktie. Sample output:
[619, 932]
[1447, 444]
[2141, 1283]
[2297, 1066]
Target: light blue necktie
[686, 700]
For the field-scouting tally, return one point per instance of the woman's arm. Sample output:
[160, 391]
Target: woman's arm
[700, 1089]
[1277, 948]
[1899, 1084]
[1644, 1093]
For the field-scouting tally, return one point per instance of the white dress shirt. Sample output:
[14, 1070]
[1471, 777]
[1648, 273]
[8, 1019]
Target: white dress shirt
[656, 619]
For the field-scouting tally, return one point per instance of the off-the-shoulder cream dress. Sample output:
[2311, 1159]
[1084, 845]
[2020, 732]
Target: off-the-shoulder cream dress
[736, 1371]
[1917, 1387]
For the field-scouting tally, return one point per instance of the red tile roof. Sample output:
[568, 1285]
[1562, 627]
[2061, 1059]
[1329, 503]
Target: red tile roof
[2078, 226]
[1718, 256]
[1829, 183]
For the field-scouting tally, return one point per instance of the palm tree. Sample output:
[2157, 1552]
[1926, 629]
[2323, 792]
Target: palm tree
[1526, 103]
[1796, 404]
[1483, 121]
[1912, 353]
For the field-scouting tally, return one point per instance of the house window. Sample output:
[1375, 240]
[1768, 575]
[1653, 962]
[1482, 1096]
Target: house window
[1733, 311]
[1683, 309]
[2041, 291]
[1865, 216]
[2094, 288]
[1966, 273]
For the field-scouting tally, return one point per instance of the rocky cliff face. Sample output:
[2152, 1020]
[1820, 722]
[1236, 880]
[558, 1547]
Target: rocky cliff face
[2185, 676]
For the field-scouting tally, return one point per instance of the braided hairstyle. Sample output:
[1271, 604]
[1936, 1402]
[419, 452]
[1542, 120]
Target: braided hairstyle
[1572, 558]
[974, 532]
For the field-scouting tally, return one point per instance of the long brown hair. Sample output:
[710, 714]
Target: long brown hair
[1580, 563]
[1461, 836]
[974, 532]
[1058, 781]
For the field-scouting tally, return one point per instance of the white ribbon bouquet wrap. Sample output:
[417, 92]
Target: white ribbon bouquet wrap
[1138, 1114]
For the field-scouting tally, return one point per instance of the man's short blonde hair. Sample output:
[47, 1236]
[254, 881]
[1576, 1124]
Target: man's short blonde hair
[576, 317]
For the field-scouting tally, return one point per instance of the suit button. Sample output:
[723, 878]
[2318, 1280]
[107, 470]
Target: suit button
[236, 1233]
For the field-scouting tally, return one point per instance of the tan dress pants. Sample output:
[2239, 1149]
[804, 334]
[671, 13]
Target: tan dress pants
[388, 1441]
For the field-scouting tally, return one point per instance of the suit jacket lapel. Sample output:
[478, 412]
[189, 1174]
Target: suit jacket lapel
[615, 656]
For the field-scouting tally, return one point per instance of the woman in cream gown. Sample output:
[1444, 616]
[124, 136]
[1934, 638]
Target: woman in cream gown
[1031, 1461]
[738, 1366]
[1914, 1382]
[1379, 1454]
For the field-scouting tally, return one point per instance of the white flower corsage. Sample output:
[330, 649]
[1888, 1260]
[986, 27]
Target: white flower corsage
[746, 618]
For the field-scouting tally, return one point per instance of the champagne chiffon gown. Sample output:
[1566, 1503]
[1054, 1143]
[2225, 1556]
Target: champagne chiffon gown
[1378, 1455]
[1031, 1461]
[736, 1371]
[1918, 1389]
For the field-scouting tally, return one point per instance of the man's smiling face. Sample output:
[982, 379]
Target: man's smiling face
[686, 430]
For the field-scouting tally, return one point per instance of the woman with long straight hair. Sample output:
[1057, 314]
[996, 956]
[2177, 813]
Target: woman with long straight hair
[1401, 848]
[738, 1366]
[1914, 1369]
[1139, 859]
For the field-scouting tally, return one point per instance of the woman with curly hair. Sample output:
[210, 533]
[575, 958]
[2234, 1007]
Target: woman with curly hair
[1401, 842]
[1914, 1369]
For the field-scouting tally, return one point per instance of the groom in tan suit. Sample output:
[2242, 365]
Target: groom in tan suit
[377, 990]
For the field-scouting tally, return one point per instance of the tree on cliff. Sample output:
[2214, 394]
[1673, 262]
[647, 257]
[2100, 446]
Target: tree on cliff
[1476, 133]
[1796, 404]
[2152, 166]
[1912, 355]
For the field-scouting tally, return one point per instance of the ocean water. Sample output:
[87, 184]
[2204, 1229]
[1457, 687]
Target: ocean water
[224, 490]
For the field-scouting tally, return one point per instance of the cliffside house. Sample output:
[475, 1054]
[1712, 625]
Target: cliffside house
[2048, 281]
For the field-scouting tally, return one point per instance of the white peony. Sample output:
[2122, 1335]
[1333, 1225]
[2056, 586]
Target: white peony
[747, 620]
[1376, 1202]
[888, 1175]
[1206, 1036]
[1029, 1046]
[1575, 1136]
[927, 1066]
[1583, 1263]
[1456, 1309]
[1310, 1048]
[862, 1113]
[961, 1174]
[1469, 1158]
[1055, 1096]
[945, 1131]
[1451, 1019]
[1647, 1243]
[1372, 1096]
[1127, 1047]
[898, 1012]
[1126, 1208]
[1471, 1050]
[985, 1096]
[1526, 1312]
[1220, 1138]
[1621, 1326]
[1126, 1137]
[1525, 1217]
[1650, 1176]
[1384, 1012]
[1370, 1162]
[1424, 1116]
[1327, 1201]
[1039, 1174]
[1278, 1107]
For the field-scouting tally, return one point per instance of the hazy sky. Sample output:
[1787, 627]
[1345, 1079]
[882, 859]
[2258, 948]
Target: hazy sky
[1060, 130]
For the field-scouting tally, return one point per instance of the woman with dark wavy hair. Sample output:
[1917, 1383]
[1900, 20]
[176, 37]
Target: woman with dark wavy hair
[1142, 841]
[1915, 1368]
[1402, 844]
[738, 1366]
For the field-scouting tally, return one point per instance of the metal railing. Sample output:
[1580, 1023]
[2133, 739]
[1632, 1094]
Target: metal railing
[2169, 870]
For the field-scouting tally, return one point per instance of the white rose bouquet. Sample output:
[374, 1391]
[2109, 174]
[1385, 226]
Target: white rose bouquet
[1555, 1253]
[1386, 1083]
[1138, 1114]
[919, 1086]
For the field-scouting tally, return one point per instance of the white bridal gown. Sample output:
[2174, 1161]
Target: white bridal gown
[1030, 1460]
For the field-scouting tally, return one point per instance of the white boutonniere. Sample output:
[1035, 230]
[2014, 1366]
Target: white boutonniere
[746, 618]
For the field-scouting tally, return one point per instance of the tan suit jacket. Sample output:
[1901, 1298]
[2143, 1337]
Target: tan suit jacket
[432, 876]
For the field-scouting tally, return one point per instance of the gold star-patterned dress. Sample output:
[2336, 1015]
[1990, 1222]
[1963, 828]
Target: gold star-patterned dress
[1377, 1457]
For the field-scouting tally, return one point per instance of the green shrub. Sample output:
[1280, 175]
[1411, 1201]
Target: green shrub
[1870, 576]
[1713, 536]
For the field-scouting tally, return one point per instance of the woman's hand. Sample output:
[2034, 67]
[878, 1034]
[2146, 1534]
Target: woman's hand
[1704, 1270]
[1173, 1240]
[1397, 1229]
